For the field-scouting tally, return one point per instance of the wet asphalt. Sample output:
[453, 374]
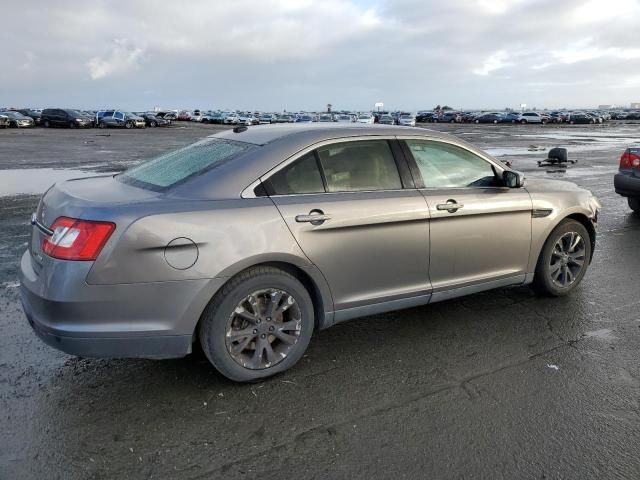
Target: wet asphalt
[499, 385]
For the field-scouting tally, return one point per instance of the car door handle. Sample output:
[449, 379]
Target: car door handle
[315, 217]
[451, 206]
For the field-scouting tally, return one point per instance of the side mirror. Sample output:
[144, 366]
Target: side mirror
[513, 179]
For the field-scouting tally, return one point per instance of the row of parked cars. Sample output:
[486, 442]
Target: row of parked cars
[573, 117]
[73, 118]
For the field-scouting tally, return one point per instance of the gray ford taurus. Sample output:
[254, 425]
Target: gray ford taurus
[249, 240]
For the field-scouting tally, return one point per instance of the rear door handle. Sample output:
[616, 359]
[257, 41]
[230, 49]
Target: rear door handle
[451, 206]
[315, 217]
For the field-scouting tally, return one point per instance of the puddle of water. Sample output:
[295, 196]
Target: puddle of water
[35, 180]
[603, 334]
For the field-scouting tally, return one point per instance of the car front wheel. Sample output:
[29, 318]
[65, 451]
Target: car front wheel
[564, 259]
[259, 324]
[634, 204]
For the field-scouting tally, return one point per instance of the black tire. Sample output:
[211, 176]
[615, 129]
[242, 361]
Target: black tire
[101, 125]
[153, 124]
[47, 124]
[634, 204]
[542, 282]
[213, 323]
[128, 124]
[523, 122]
[495, 122]
[72, 125]
[571, 122]
[559, 154]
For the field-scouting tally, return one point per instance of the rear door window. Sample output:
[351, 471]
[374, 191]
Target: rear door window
[359, 166]
[301, 176]
[174, 167]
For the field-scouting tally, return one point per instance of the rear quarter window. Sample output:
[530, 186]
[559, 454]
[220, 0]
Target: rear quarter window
[172, 168]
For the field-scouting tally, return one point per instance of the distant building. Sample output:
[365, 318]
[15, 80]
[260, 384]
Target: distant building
[606, 107]
[635, 105]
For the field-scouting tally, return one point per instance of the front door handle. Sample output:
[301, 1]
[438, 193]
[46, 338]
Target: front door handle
[315, 217]
[451, 206]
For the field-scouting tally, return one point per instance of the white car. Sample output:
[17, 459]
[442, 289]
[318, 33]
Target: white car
[407, 120]
[366, 118]
[248, 120]
[231, 119]
[530, 117]
[196, 117]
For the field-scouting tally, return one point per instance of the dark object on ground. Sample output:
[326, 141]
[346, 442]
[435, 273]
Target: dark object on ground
[556, 156]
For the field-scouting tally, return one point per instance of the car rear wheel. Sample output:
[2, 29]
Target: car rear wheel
[564, 259]
[102, 125]
[634, 204]
[72, 125]
[258, 325]
[523, 122]
[128, 124]
[47, 124]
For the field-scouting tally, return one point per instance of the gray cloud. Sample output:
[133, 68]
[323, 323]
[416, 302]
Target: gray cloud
[275, 54]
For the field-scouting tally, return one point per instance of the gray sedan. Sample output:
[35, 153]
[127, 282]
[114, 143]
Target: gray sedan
[250, 240]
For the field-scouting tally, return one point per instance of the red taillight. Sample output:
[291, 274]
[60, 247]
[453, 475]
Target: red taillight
[629, 160]
[75, 239]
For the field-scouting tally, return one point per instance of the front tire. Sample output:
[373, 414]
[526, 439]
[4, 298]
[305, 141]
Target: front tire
[128, 125]
[563, 260]
[259, 324]
[634, 204]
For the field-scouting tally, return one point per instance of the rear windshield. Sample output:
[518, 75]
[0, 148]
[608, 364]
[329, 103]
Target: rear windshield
[174, 167]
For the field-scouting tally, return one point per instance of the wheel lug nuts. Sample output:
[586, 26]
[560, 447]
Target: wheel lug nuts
[271, 329]
[258, 321]
[263, 336]
[268, 319]
[255, 331]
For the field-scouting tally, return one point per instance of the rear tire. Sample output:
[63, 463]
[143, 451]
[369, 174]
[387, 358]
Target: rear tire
[634, 204]
[47, 124]
[562, 266]
[227, 313]
[128, 125]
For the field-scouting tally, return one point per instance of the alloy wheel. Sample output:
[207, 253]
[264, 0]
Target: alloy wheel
[263, 328]
[567, 259]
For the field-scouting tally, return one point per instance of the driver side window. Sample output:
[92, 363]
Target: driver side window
[443, 165]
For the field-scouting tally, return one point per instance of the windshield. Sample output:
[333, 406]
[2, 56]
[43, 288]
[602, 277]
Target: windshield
[406, 115]
[75, 113]
[364, 116]
[174, 167]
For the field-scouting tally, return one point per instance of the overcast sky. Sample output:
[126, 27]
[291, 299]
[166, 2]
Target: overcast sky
[303, 54]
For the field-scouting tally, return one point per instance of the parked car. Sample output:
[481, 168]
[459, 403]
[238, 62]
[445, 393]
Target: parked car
[126, 266]
[425, 117]
[581, 117]
[231, 119]
[509, 117]
[286, 118]
[29, 112]
[195, 117]
[531, 117]
[366, 118]
[386, 120]
[326, 117]
[627, 180]
[449, 117]
[407, 120]
[248, 119]
[304, 118]
[345, 118]
[4, 121]
[150, 120]
[64, 117]
[489, 118]
[213, 117]
[184, 116]
[268, 118]
[120, 119]
[17, 120]
[168, 115]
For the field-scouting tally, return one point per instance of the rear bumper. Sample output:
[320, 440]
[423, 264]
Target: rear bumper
[145, 320]
[626, 185]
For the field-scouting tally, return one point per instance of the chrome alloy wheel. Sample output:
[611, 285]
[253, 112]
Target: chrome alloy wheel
[567, 259]
[263, 328]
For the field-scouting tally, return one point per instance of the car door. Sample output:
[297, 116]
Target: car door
[480, 229]
[352, 208]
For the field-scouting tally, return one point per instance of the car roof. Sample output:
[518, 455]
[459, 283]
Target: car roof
[265, 134]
